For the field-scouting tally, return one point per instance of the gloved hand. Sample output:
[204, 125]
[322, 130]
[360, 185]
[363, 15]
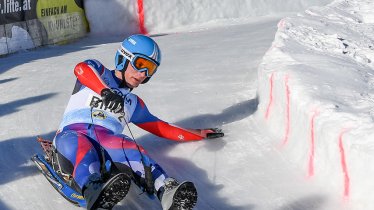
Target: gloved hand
[112, 100]
[211, 133]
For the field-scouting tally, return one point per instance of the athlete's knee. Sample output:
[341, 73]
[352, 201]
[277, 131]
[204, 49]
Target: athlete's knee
[70, 144]
[66, 142]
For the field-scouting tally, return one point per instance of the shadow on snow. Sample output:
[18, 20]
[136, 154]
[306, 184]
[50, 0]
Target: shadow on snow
[15, 157]
[14, 106]
[7, 80]
[209, 197]
[313, 202]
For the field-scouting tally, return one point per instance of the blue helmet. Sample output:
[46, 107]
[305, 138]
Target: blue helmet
[137, 46]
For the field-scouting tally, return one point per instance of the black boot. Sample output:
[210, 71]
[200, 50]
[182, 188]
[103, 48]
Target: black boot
[175, 196]
[105, 195]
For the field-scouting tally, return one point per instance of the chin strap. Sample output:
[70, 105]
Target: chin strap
[124, 84]
[146, 80]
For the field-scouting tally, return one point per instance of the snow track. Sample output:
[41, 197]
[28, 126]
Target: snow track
[195, 87]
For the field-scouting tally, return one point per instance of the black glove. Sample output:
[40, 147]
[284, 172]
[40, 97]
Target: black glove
[211, 133]
[112, 100]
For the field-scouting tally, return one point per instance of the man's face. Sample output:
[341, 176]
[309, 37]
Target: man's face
[133, 77]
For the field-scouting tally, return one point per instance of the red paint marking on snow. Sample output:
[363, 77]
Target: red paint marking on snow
[142, 28]
[287, 132]
[281, 24]
[312, 145]
[344, 164]
[271, 80]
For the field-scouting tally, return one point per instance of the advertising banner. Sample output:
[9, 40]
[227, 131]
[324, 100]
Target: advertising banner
[25, 24]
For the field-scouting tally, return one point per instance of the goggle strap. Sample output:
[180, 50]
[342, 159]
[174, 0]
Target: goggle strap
[127, 54]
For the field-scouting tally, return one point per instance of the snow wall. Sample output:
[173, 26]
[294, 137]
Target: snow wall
[26, 24]
[118, 17]
[316, 82]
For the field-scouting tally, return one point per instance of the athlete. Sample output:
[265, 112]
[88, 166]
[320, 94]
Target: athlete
[90, 145]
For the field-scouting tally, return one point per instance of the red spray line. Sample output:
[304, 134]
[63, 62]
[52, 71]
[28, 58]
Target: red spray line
[142, 28]
[344, 164]
[271, 80]
[312, 145]
[287, 132]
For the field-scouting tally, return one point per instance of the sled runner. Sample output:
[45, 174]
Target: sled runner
[57, 180]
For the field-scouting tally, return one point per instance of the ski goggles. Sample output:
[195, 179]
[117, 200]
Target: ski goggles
[139, 62]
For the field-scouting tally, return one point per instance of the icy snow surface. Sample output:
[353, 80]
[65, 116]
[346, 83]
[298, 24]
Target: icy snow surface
[296, 110]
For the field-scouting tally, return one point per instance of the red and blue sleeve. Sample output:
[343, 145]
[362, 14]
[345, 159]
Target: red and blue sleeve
[145, 120]
[88, 73]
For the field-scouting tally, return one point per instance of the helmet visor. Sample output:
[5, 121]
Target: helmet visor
[143, 64]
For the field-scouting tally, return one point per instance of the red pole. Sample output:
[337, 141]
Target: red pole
[142, 28]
